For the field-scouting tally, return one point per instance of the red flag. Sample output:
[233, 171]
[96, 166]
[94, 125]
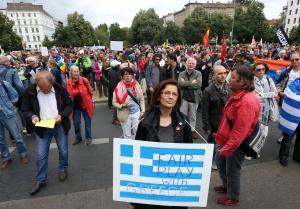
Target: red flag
[260, 43]
[253, 43]
[61, 47]
[206, 39]
[223, 53]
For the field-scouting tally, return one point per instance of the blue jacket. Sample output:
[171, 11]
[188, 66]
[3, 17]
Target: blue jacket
[6, 100]
[148, 75]
[13, 78]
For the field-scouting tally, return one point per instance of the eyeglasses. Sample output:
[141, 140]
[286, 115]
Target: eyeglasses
[295, 60]
[168, 93]
[260, 69]
[158, 59]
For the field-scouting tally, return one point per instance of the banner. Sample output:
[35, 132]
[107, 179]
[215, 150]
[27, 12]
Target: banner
[223, 53]
[276, 67]
[282, 37]
[116, 45]
[154, 173]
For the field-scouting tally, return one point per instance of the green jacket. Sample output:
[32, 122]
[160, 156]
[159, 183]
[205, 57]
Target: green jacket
[85, 61]
[185, 83]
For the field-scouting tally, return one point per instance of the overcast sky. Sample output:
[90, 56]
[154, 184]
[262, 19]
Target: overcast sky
[123, 11]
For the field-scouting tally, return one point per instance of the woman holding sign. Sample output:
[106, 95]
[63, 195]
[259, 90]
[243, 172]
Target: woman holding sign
[164, 123]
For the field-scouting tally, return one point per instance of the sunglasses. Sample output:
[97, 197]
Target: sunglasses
[260, 69]
[158, 59]
[295, 60]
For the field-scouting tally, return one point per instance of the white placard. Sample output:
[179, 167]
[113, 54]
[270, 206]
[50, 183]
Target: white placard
[116, 45]
[44, 51]
[154, 173]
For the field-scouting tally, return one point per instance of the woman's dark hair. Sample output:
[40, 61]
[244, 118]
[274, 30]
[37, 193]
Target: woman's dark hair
[128, 70]
[245, 73]
[260, 63]
[160, 87]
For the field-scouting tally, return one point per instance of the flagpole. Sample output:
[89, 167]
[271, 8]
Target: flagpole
[232, 23]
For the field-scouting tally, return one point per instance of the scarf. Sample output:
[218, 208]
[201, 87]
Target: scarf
[223, 90]
[265, 88]
[121, 90]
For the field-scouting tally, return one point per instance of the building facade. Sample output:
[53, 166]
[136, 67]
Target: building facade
[210, 7]
[31, 22]
[292, 12]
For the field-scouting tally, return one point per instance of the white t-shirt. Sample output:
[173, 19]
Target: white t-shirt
[293, 75]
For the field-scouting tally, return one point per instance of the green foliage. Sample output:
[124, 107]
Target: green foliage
[9, 40]
[47, 43]
[195, 26]
[295, 34]
[82, 28]
[117, 33]
[244, 1]
[101, 34]
[219, 22]
[145, 25]
[65, 36]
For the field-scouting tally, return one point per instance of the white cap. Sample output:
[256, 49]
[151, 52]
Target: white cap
[115, 63]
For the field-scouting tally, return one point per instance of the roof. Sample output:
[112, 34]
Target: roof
[26, 7]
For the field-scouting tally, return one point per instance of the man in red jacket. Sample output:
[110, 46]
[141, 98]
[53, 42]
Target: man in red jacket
[242, 110]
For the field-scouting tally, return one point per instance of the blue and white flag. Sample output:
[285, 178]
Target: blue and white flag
[290, 111]
[155, 173]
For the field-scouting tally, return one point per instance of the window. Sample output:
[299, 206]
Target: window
[35, 46]
[287, 30]
[37, 30]
[292, 3]
[299, 20]
[20, 31]
[296, 12]
[17, 15]
[34, 38]
[26, 30]
[38, 38]
[15, 30]
[295, 20]
[28, 14]
[19, 22]
[23, 15]
[11, 15]
[36, 22]
[35, 14]
[28, 39]
[288, 21]
[30, 22]
[24, 22]
[32, 30]
[29, 46]
[290, 12]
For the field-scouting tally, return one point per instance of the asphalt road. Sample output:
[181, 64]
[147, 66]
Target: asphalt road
[90, 172]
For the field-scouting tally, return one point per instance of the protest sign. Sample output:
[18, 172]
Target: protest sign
[170, 174]
[116, 45]
[44, 51]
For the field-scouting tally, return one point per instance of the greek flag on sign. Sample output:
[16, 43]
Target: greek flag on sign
[161, 173]
[290, 114]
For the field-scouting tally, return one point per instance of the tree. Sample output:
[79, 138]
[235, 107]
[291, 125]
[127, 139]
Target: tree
[102, 35]
[145, 25]
[66, 36]
[243, 1]
[173, 33]
[46, 42]
[195, 26]
[116, 33]
[219, 22]
[81, 27]
[295, 34]
[270, 36]
[9, 40]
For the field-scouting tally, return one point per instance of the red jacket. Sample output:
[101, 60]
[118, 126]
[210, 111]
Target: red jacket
[86, 94]
[243, 110]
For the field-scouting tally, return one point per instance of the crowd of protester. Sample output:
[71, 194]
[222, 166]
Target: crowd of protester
[129, 77]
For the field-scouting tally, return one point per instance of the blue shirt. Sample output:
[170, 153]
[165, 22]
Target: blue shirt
[135, 107]
[6, 99]
[13, 78]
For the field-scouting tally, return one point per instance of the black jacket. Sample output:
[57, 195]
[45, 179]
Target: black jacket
[31, 106]
[212, 107]
[114, 78]
[147, 129]
[29, 68]
[179, 68]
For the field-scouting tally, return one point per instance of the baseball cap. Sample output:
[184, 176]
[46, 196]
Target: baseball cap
[115, 63]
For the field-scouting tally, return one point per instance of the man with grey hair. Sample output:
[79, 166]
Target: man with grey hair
[190, 82]
[32, 69]
[45, 99]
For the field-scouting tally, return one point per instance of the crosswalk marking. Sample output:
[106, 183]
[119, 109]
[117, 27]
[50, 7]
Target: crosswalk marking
[94, 141]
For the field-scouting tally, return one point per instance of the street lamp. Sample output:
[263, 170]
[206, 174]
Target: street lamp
[231, 33]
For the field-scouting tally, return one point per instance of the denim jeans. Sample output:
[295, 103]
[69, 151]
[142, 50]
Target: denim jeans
[11, 124]
[230, 171]
[43, 144]
[22, 117]
[211, 140]
[77, 123]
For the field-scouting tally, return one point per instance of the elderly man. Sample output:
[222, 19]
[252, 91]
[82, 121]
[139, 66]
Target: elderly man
[214, 98]
[8, 120]
[242, 110]
[45, 99]
[33, 68]
[190, 82]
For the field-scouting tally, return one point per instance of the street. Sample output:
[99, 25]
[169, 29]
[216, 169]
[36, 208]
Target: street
[265, 183]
